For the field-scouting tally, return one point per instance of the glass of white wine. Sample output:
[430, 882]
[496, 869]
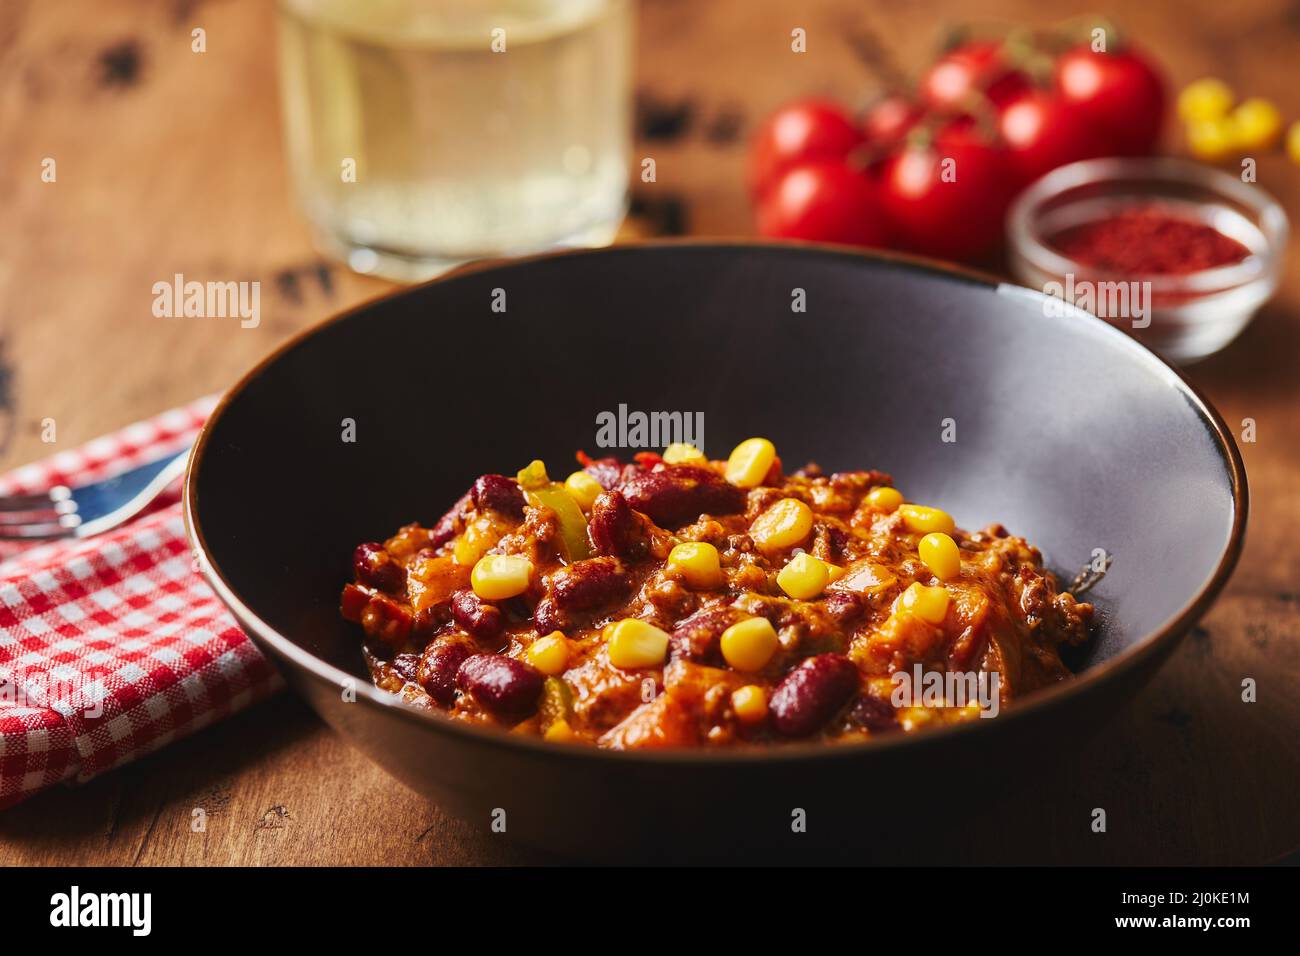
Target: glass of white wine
[424, 133]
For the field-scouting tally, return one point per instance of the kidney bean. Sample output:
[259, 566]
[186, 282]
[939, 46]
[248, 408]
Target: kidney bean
[475, 616]
[502, 685]
[376, 568]
[843, 606]
[448, 525]
[406, 666]
[499, 493]
[438, 667]
[547, 616]
[696, 638]
[838, 539]
[875, 714]
[675, 494]
[590, 583]
[607, 471]
[582, 586]
[811, 694]
[614, 528]
[387, 621]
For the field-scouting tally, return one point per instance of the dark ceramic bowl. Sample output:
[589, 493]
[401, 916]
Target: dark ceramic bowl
[1067, 432]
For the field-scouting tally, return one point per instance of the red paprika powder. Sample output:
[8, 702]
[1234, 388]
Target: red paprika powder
[1148, 240]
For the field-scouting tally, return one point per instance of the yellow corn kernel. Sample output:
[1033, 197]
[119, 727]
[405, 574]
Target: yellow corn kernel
[1256, 124]
[940, 554]
[749, 703]
[583, 489]
[749, 644]
[922, 520]
[499, 576]
[680, 453]
[634, 644]
[750, 462]
[929, 604]
[1293, 142]
[804, 577]
[1212, 139]
[560, 731]
[884, 499]
[697, 562]
[549, 654]
[1205, 99]
[533, 475]
[784, 525]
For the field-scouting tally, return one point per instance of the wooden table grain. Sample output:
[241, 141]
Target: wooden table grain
[171, 161]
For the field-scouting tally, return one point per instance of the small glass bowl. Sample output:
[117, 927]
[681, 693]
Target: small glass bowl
[1189, 315]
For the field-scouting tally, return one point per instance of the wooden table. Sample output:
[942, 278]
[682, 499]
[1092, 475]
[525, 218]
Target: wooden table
[170, 161]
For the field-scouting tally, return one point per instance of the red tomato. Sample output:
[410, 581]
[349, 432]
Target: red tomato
[889, 118]
[948, 199]
[1121, 92]
[823, 202]
[802, 132]
[967, 69]
[1042, 131]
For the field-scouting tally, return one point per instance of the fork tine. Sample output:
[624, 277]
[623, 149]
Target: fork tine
[91, 508]
[35, 532]
[40, 516]
[42, 501]
[10, 518]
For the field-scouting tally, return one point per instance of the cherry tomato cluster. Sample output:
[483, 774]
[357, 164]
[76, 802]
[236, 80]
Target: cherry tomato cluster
[933, 172]
[1218, 127]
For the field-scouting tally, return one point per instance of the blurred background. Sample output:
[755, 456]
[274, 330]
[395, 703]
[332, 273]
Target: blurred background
[171, 160]
[227, 163]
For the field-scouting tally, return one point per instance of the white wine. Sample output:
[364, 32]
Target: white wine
[422, 133]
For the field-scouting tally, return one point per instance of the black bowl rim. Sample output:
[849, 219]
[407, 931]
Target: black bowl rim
[1158, 642]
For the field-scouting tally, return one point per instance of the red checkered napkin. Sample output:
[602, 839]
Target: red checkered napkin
[112, 646]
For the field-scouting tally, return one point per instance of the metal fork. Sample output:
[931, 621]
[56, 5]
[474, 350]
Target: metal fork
[64, 512]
